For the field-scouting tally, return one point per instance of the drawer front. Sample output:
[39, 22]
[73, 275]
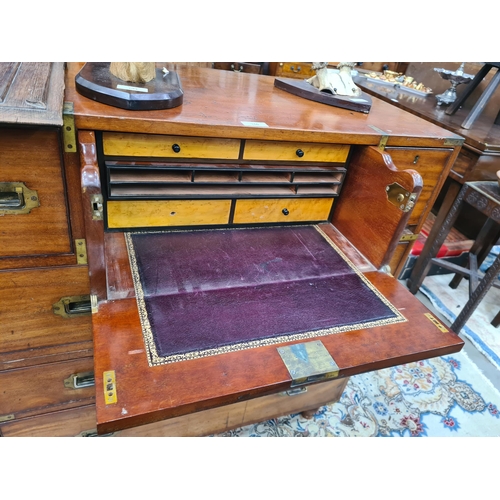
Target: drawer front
[64, 423]
[155, 213]
[32, 157]
[282, 210]
[429, 164]
[28, 320]
[41, 389]
[118, 144]
[295, 151]
[295, 70]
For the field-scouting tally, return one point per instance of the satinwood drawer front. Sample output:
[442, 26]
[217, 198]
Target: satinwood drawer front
[153, 213]
[45, 388]
[144, 145]
[27, 318]
[31, 157]
[429, 163]
[282, 210]
[295, 151]
[295, 69]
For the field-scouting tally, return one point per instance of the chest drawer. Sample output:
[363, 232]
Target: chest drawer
[295, 151]
[154, 213]
[282, 210]
[165, 146]
[31, 157]
[42, 389]
[28, 320]
[430, 164]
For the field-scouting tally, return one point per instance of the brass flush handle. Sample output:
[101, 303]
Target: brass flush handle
[80, 380]
[17, 199]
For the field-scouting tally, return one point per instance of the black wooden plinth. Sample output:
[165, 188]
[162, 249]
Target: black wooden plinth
[301, 88]
[96, 82]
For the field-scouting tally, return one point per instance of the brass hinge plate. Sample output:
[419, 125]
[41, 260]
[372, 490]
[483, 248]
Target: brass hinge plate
[73, 306]
[436, 322]
[69, 132]
[409, 237]
[308, 362]
[81, 252]
[400, 197]
[109, 381]
[384, 137]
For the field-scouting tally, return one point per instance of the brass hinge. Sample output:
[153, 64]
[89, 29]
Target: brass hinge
[81, 252]
[436, 322]
[69, 131]
[109, 380]
[384, 137]
[409, 237]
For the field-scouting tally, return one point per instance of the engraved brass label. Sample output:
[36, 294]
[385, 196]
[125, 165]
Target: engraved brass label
[436, 322]
[17, 199]
[308, 362]
[73, 306]
[109, 380]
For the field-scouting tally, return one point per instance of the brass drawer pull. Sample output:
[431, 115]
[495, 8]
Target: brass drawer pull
[292, 68]
[16, 198]
[70, 307]
[80, 380]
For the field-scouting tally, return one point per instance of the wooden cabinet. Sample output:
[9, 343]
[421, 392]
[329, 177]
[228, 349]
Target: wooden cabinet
[45, 327]
[238, 156]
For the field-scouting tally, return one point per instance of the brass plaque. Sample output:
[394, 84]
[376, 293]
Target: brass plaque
[308, 362]
[436, 322]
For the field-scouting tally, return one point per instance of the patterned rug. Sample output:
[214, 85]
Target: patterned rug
[449, 301]
[440, 397]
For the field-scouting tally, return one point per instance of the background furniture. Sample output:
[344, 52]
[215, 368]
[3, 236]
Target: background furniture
[479, 158]
[485, 197]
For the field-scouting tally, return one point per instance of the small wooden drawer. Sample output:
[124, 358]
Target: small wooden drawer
[295, 69]
[155, 213]
[169, 146]
[27, 309]
[45, 388]
[282, 210]
[295, 151]
[429, 163]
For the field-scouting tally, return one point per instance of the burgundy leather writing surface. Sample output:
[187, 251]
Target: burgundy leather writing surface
[210, 289]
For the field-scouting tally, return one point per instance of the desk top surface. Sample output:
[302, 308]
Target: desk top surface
[249, 106]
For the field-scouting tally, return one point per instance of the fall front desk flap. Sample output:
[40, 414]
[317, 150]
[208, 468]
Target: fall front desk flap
[207, 292]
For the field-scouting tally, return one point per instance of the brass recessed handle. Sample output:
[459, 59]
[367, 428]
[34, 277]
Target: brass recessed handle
[80, 380]
[16, 198]
[71, 307]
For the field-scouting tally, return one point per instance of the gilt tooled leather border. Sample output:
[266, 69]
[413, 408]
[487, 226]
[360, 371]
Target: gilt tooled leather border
[155, 360]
